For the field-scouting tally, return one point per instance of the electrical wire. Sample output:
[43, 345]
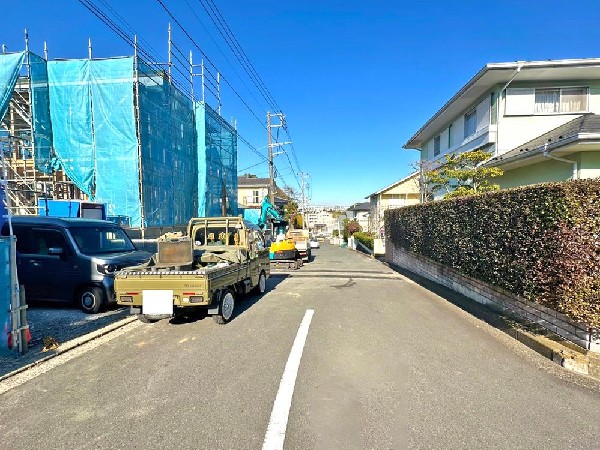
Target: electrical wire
[182, 28]
[151, 60]
[225, 31]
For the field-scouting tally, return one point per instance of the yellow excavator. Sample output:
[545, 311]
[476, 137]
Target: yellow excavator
[283, 252]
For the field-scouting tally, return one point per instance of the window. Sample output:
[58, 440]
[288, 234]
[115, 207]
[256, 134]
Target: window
[470, 122]
[450, 136]
[436, 146]
[255, 197]
[41, 240]
[493, 108]
[530, 101]
[565, 100]
[98, 240]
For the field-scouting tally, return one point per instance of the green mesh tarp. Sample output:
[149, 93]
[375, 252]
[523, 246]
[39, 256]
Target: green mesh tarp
[71, 115]
[115, 139]
[167, 137]
[10, 66]
[184, 163]
[40, 102]
[7, 277]
[91, 106]
[217, 158]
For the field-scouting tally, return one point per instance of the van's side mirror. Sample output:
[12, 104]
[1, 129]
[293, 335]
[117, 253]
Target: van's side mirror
[55, 251]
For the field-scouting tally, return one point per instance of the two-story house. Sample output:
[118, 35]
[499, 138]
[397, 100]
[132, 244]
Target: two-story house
[537, 119]
[403, 192]
[252, 191]
[361, 213]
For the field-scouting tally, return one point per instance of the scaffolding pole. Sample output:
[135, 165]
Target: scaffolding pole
[139, 134]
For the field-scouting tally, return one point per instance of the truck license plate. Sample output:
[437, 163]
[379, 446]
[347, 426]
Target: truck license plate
[157, 302]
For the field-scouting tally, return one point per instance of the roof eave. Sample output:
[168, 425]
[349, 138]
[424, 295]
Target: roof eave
[412, 143]
[551, 147]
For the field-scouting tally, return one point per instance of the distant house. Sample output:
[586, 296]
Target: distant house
[538, 120]
[403, 192]
[361, 213]
[252, 191]
[321, 220]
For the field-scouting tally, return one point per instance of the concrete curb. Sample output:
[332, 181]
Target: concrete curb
[72, 344]
[562, 353]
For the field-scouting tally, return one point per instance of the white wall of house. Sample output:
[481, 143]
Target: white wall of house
[517, 122]
[322, 217]
[452, 136]
[247, 196]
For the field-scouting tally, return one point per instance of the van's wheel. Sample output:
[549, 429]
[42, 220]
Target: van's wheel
[90, 299]
[261, 287]
[226, 308]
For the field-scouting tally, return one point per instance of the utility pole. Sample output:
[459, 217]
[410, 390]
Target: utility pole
[304, 188]
[271, 145]
[271, 166]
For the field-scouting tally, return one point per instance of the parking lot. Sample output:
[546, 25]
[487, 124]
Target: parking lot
[57, 323]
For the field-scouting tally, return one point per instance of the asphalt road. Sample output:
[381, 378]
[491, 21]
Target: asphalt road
[387, 364]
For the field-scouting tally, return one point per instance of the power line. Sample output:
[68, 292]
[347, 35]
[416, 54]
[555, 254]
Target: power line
[151, 61]
[182, 28]
[118, 30]
[221, 51]
[233, 44]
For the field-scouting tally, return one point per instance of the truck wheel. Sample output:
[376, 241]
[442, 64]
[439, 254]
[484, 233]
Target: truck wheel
[90, 299]
[261, 287]
[225, 308]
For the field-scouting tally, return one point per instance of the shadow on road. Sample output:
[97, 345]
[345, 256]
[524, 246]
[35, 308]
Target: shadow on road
[493, 317]
[243, 303]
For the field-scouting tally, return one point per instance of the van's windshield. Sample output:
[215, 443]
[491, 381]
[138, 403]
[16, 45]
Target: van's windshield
[97, 240]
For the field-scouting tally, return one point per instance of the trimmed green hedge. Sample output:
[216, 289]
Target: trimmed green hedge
[364, 238]
[541, 242]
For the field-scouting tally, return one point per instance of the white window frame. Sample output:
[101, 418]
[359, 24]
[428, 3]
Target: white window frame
[560, 94]
[255, 196]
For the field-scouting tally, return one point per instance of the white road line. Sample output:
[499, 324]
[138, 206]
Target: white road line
[275, 435]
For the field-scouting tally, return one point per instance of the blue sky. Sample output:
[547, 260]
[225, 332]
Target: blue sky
[355, 79]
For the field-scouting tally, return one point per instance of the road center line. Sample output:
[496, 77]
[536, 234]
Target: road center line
[275, 435]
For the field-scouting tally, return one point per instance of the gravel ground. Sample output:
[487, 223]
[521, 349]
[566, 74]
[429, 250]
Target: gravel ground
[61, 323]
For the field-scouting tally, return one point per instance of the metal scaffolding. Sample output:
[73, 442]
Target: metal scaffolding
[121, 131]
[22, 142]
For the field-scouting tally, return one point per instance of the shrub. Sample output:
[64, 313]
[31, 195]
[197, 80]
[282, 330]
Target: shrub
[365, 239]
[541, 242]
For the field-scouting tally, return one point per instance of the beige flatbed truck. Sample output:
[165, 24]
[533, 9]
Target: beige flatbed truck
[219, 259]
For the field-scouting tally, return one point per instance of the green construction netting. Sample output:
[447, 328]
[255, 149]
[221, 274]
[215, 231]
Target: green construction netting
[217, 154]
[91, 106]
[40, 101]
[71, 115]
[185, 163]
[167, 135]
[10, 66]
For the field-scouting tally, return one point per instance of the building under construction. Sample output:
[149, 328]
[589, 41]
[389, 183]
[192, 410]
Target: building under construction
[115, 131]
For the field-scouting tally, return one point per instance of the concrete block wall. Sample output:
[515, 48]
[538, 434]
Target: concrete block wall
[493, 296]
